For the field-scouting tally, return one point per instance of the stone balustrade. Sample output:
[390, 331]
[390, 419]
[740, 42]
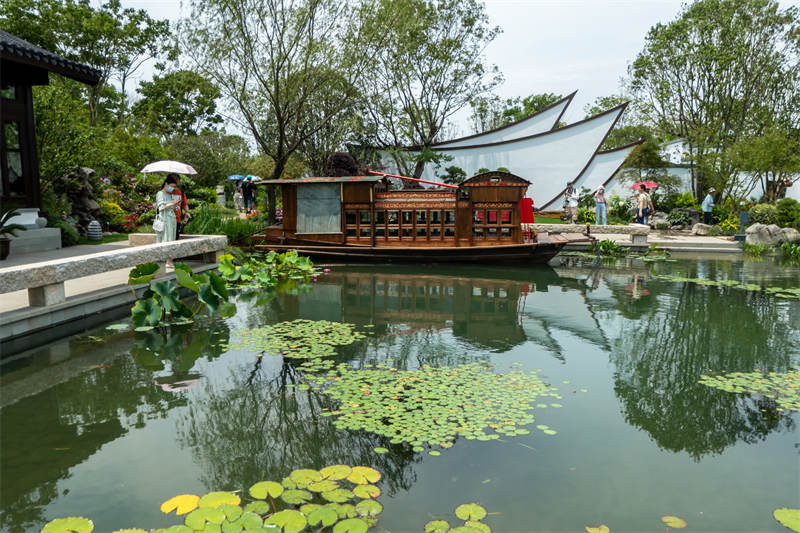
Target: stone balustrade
[45, 280]
[638, 232]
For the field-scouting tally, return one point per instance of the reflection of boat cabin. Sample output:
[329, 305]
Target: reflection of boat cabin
[483, 211]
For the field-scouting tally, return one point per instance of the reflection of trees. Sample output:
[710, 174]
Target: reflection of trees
[44, 435]
[257, 427]
[660, 357]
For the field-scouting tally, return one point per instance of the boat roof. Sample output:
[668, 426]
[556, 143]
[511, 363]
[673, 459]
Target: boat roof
[322, 179]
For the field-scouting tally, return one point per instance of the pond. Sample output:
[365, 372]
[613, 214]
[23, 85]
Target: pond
[110, 424]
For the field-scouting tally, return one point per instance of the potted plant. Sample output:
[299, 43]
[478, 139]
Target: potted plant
[8, 230]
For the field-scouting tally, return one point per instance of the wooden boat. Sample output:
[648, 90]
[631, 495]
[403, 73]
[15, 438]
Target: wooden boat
[358, 219]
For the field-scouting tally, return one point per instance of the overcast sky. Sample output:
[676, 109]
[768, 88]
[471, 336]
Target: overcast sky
[556, 46]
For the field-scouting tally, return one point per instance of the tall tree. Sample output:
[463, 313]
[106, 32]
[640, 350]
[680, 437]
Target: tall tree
[490, 112]
[427, 65]
[178, 103]
[771, 161]
[276, 59]
[723, 71]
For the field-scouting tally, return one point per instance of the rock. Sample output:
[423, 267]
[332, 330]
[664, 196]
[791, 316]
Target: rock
[789, 235]
[658, 220]
[701, 229]
[759, 234]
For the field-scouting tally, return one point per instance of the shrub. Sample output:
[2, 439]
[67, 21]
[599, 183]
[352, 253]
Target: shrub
[586, 215]
[788, 213]
[730, 225]
[69, 233]
[147, 217]
[618, 208]
[113, 214]
[212, 220]
[679, 217]
[205, 194]
[755, 249]
[686, 199]
[764, 214]
[791, 252]
[714, 231]
[503, 169]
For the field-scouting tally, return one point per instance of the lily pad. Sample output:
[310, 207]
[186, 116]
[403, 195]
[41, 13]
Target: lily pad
[181, 504]
[361, 475]
[366, 491]
[324, 516]
[789, 518]
[258, 507]
[299, 339]
[289, 520]
[304, 476]
[70, 524]
[470, 511]
[380, 450]
[324, 485]
[480, 526]
[262, 489]
[351, 525]
[296, 496]
[598, 529]
[215, 499]
[674, 522]
[335, 472]
[369, 508]
[338, 495]
[437, 526]
[198, 518]
[246, 521]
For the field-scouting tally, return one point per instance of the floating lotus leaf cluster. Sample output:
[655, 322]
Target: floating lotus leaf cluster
[338, 498]
[470, 513]
[780, 292]
[433, 406]
[784, 387]
[299, 339]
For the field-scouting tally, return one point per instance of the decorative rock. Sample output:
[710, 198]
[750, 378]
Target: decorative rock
[759, 234]
[789, 235]
[94, 232]
[41, 222]
[76, 187]
[658, 220]
[700, 229]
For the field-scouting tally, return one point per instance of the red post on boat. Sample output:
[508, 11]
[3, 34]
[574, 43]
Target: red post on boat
[413, 179]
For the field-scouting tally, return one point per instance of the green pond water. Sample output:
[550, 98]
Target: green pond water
[108, 425]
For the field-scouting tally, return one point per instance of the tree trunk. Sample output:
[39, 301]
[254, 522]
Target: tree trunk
[276, 174]
[418, 169]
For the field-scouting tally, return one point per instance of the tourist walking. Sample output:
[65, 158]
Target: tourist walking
[600, 208]
[238, 199]
[708, 206]
[571, 197]
[248, 191]
[645, 205]
[166, 202]
[182, 208]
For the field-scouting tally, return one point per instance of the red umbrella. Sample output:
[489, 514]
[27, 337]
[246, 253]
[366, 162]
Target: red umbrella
[647, 184]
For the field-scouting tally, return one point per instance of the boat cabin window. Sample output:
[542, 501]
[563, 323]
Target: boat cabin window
[492, 224]
[319, 208]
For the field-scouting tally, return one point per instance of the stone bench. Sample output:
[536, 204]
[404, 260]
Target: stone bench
[638, 232]
[45, 280]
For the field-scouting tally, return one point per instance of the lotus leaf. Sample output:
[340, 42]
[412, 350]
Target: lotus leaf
[368, 508]
[366, 491]
[323, 486]
[437, 526]
[351, 525]
[197, 518]
[184, 279]
[346, 510]
[304, 476]
[674, 522]
[117, 327]
[324, 516]
[70, 524]
[246, 520]
[337, 495]
[289, 520]
[470, 511]
[361, 475]
[182, 504]
[263, 489]
[296, 496]
[789, 518]
[598, 529]
[258, 507]
[141, 274]
[215, 499]
[480, 526]
[146, 313]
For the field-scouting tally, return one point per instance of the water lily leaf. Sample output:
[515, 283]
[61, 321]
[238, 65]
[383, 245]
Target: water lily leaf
[296, 496]
[130, 530]
[361, 475]
[258, 507]
[335, 472]
[674, 522]
[289, 520]
[324, 516]
[351, 525]
[247, 520]
[338, 495]
[789, 518]
[198, 518]
[464, 529]
[480, 526]
[598, 529]
[549, 431]
[182, 504]
[345, 510]
[369, 508]
[70, 524]
[117, 327]
[437, 526]
[215, 499]
[263, 488]
[366, 491]
[141, 274]
[380, 450]
[174, 529]
[324, 485]
[304, 476]
[470, 511]
[232, 512]
[288, 483]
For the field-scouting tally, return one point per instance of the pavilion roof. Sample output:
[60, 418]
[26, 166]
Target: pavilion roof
[17, 50]
[322, 179]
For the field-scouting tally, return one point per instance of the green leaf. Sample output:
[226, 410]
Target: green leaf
[289, 520]
[361, 475]
[674, 522]
[324, 516]
[168, 294]
[337, 495]
[227, 309]
[185, 279]
[174, 529]
[208, 297]
[198, 518]
[302, 477]
[232, 512]
[296, 496]
[218, 284]
[366, 491]
[141, 274]
[71, 524]
[262, 489]
[789, 518]
[437, 526]
[215, 499]
[146, 312]
[479, 526]
[324, 485]
[470, 511]
[118, 327]
[369, 508]
[247, 520]
[258, 507]
[351, 525]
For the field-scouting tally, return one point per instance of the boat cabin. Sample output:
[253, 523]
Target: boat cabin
[484, 210]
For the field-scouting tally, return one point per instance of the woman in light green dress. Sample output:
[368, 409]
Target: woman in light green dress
[165, 205]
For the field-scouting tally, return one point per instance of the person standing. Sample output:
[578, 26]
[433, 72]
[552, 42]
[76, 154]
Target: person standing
[248, 191]
[600, 207]
[572, 203]
[181, 208]
[238, 199]
[166, 202]
[708, 206]
[645, 205]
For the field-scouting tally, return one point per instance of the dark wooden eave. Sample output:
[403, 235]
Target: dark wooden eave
[16, 54]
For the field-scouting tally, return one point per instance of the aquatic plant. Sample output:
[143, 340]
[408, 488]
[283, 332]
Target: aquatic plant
[268, 272]
[470, 513]
[789, 518]
[160, 305]
[783, 387]
[791, 252]
[434, 406]
[780, 292]
[755, 250]
[299, 339]
[608, 248]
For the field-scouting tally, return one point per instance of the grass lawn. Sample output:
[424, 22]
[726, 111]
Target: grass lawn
[541, 219]
[106, 238]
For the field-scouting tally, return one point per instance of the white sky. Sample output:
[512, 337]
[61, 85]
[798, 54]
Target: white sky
[555, 46]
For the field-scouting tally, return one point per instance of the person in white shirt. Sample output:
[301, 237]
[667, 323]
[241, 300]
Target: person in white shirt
[571, 196]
